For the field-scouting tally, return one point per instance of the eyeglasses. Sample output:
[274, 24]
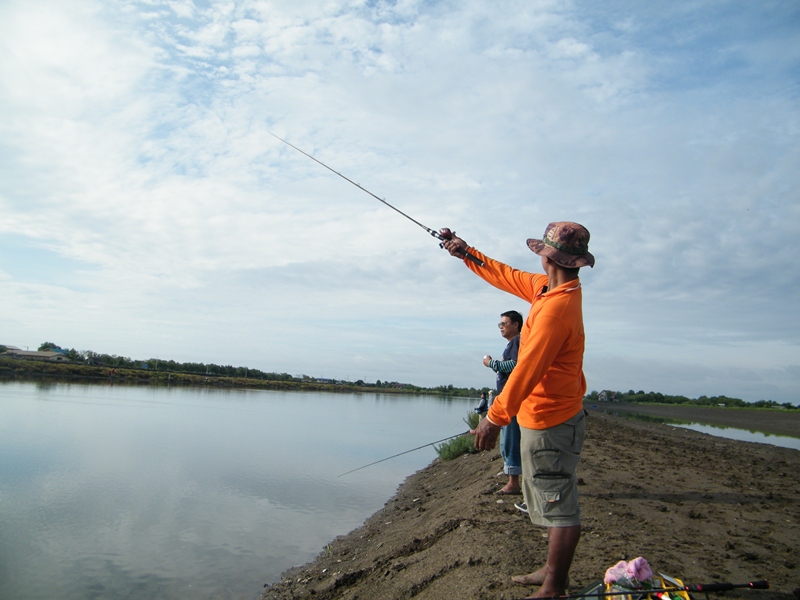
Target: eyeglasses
[501, 325]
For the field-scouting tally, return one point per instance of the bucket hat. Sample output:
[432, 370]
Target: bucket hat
[566, 243]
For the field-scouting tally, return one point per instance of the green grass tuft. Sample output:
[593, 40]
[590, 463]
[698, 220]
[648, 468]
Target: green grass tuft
[464, 444]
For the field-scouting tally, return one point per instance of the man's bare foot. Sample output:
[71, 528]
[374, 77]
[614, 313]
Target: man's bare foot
[509, 490]
[535, 578]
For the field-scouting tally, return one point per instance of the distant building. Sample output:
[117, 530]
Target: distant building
[47, 355]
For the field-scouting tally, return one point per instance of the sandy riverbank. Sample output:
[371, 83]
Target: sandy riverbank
[697, 507]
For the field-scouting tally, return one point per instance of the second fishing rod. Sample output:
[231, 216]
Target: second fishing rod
[442, 235]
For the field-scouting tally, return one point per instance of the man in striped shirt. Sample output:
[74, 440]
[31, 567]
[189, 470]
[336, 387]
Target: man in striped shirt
[510, 325]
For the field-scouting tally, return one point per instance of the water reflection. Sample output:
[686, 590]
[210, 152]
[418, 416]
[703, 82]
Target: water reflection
[743, 435]
[732, 433]
[144, 492]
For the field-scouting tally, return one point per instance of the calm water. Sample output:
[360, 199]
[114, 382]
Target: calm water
[722, 431]
[139, 492]
[743, 435]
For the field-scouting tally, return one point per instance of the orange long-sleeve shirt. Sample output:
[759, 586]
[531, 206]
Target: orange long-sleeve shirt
[547, 386]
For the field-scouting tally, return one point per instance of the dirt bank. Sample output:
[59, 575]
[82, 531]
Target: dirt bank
[697, 507]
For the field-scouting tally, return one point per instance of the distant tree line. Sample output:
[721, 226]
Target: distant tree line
[658, 398]
[210, 369]
[156, 364]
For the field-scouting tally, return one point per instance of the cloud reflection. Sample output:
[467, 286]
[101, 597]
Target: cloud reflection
[164, 492]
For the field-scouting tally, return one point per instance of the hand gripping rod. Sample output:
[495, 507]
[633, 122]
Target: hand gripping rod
[442, 236]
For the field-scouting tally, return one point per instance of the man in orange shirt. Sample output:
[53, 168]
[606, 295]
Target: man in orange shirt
[545, 391]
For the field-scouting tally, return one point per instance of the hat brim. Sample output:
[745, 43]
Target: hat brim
[563, 259]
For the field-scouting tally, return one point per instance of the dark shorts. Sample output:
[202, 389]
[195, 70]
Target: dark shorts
[549, 459]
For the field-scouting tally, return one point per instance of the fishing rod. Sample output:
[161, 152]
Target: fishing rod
[443, 234]
[406, 452]
[700, 587]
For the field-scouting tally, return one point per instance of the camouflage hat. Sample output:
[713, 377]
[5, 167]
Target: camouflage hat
[566, 243]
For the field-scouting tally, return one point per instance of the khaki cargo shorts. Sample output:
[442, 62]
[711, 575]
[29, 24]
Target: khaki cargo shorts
[549, 459]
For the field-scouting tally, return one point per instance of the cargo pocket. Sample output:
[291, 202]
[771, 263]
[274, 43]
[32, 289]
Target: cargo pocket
[547, 461]
[556, 493]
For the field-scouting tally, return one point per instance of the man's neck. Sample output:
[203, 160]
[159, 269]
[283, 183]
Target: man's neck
[557, 277]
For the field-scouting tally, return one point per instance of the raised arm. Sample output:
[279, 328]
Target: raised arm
[519, 283]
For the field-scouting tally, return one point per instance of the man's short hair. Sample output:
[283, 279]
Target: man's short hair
[514, 317]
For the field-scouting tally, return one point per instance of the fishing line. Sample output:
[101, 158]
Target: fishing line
[442, 235]
[406, 452]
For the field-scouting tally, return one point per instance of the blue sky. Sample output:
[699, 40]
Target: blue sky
[145, 210]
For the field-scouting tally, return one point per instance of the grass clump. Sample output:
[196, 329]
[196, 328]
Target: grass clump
[463, 444]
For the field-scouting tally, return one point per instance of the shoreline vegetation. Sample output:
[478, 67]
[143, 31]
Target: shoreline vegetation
[53, 361]
[74, 365]
[21, 368]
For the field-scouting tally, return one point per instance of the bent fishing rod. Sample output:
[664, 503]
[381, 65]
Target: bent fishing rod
[406, 452]
[700, 587]
[442, 235]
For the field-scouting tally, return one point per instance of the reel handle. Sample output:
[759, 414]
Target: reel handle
[446, 234]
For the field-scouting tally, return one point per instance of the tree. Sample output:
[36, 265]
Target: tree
[49, 346]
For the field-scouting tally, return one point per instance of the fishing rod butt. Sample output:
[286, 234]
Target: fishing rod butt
[724, 587]
[471, 257]
[467, 255]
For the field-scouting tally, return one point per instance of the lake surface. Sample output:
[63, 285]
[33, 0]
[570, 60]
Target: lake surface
[173, 493]
[743, 435]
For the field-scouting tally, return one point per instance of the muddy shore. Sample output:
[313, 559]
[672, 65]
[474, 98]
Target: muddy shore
[700, 508]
